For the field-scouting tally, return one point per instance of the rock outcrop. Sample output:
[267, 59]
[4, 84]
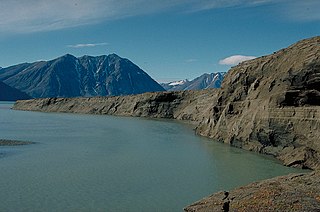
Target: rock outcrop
[182, 105]
[294, 192]
[272, 105]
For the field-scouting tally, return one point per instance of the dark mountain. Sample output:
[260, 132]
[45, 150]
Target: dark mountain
[8, 93]
[205, 81]
[68, 76]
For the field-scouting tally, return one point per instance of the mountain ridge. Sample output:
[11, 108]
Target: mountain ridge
[69, 76]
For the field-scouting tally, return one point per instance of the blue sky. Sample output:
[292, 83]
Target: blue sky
[169, 39]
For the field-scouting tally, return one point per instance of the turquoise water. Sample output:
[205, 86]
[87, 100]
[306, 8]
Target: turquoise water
[106, 163]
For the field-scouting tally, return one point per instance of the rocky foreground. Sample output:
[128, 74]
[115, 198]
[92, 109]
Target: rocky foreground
[294, 192]
[269, 105]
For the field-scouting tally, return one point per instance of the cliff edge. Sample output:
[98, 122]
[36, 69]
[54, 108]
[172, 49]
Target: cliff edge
[272, 105]
[182, 105]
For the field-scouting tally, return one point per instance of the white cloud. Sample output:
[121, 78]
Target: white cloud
[44, 15]
[83, 45]
[235, 59]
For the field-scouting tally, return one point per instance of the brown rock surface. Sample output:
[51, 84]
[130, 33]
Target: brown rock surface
[181, 105]
[294, 192]
[272, 105]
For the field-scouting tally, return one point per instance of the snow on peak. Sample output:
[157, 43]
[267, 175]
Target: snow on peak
[180, 82]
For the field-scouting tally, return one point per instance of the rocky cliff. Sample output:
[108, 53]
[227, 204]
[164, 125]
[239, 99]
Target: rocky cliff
[272, 105]
[182, 105]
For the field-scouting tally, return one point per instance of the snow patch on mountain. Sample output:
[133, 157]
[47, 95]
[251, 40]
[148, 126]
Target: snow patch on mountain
[204, 81]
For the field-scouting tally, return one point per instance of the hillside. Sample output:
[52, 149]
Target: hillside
[68, 76]
[8, 93]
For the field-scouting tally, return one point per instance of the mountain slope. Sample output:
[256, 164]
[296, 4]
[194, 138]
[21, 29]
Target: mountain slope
[8, 93]
[68, 76]
[205, 81]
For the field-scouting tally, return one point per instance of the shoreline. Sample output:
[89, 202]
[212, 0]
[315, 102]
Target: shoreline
[191, 107]
[269, 105]
[293, 192]
[244, 198]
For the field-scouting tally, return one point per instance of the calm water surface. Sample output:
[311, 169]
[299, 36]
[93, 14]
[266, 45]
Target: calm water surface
[105, 163]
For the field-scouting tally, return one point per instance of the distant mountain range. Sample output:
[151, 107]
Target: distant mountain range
[68, 76]
[8, 93]
[205, 81]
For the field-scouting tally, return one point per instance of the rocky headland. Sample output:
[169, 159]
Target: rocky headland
[270, 105]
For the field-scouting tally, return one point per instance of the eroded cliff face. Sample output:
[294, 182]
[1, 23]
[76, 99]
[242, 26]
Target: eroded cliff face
[272, 105]
[182, 105]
